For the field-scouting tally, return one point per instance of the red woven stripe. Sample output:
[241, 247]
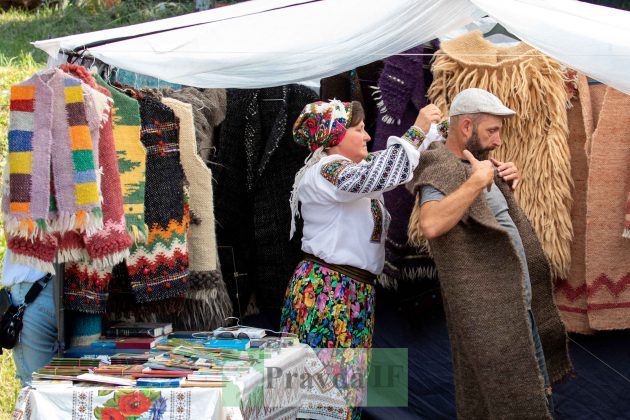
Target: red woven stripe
[22, 105]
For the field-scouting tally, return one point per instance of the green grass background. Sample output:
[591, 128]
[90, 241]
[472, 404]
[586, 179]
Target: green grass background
[19, 60]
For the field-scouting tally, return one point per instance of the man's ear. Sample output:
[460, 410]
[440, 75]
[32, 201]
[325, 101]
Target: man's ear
[466, 127]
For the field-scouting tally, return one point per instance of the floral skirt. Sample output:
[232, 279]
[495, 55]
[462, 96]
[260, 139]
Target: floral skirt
[330, 311]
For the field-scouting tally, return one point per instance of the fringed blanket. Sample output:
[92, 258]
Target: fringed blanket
[536, 139]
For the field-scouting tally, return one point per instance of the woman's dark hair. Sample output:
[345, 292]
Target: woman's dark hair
[358, 114]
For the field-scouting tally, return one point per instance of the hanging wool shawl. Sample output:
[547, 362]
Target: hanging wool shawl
[85, 285]
[535, 139]
[207, 302]
[607, 253]
[571, 301]
[110, 245]
[401, 93]
[63, 114]
[258, 160]
[159, 268]
[131, 159]
[48, 112]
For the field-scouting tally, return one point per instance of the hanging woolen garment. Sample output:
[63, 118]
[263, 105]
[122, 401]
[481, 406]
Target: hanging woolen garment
[535, 139]
[131, 159]
[257, 162]
[68, 246]
[158, 268]
[400, 95]
[109, 245]
[607, 253]
[47, 112]
[86, 283]
[211, 112]
[207, 301]
[50, 193]
[72, 246]
[571, 301]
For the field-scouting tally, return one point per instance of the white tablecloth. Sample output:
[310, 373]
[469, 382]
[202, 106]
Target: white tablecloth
[283, 389]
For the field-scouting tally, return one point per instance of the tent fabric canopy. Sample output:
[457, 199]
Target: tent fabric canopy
[263, 43]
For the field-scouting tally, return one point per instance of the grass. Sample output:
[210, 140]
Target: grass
[19, 60]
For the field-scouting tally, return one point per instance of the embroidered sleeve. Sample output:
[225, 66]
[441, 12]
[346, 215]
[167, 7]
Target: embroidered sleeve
[386, 169]
[414, 136]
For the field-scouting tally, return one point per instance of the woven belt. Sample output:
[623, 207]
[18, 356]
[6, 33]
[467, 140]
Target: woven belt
[358, 274]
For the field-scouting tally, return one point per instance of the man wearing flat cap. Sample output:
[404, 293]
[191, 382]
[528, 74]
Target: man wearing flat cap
[507, 339]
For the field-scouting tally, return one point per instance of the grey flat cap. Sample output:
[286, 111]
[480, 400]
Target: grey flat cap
[474, 101]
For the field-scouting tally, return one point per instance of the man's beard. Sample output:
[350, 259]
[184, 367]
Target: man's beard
[473, 145]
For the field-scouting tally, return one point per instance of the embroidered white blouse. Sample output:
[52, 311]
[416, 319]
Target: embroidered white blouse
[345, 220]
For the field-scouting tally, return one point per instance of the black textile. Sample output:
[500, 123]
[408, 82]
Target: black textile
[256, 163]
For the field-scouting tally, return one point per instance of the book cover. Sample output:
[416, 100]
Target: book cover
[136, 343]
[230, 344]
[139, 329]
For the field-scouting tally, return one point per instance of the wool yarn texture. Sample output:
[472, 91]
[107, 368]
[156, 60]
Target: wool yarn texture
[48, 112]
[399, 95]
[535, 139]
[202, 244]
[51, 195]
[607, 263]
[480, 269]
[257, 160]
[158, 268]
[109, 245]
[131, 156]
[86, 283]
[569, 295]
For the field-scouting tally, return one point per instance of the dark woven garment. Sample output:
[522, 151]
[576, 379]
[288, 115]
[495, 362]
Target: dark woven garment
[402, 93]
[343, 86]
[158, 268]
[256, 164]
[495, 369]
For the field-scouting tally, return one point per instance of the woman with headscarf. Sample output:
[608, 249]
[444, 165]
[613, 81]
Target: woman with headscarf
[329, 302]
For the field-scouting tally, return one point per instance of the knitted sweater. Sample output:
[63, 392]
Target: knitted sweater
[494, 363]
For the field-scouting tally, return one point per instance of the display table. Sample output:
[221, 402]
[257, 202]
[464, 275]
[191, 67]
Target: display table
[278, 389]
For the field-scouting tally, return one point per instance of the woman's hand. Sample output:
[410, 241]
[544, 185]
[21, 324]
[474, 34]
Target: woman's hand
[508, 172]
[428, 115]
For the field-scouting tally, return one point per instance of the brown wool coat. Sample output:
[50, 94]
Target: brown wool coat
[495, 369]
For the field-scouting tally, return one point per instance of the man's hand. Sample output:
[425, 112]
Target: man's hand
[428, 115]
[482, 170]
[508, 172]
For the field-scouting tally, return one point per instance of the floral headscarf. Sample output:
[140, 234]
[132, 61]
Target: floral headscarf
[322, 124]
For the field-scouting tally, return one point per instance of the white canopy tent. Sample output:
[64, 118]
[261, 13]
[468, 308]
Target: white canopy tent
[264, 43]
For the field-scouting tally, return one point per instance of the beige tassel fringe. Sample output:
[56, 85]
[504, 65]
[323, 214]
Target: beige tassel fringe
[535, 139]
